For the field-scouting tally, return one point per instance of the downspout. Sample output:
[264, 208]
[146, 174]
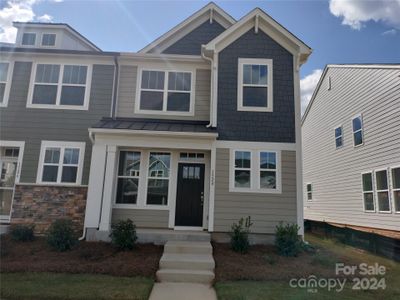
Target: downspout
[211, 85]
[115, 87]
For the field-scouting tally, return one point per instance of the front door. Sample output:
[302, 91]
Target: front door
[190, 195]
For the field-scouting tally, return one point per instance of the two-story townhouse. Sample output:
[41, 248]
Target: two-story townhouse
[351, 140]
[203, 128]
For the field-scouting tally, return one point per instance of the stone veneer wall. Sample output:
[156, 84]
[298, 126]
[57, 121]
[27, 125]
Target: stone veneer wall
[41, 205]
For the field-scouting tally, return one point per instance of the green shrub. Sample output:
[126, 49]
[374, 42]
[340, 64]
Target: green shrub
[22, 233]
[287, 240]
[240, 235]
[123, 234]
[61, 235]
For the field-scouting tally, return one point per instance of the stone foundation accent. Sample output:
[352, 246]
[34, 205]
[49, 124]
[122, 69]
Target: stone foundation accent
[41, 205]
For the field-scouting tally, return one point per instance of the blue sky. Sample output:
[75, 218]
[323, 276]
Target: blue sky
[131, 25]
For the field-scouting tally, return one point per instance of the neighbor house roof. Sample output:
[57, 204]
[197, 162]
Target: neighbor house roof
[209, 12]
[348, 66]
[58, 26]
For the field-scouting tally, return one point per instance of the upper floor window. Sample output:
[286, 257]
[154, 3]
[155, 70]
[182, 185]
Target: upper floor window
[60, 86]
[28, 39]
[255, 85]
[48, 39]
[368, 191]
[339, 136]
[168, 92]
[395, 175]
[61, 162]
[5, 73]
[358, 137]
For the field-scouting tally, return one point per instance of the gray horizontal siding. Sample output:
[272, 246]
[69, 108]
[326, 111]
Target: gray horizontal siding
[336, 173]
[143, 217]
[127, 95]
[32, 125]
[266, 210]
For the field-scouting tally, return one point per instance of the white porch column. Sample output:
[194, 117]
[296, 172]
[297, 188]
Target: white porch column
[106, 211]
[212, 188]
[95, 188]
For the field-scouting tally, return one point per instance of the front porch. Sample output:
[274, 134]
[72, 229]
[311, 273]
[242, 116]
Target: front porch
[162, 180]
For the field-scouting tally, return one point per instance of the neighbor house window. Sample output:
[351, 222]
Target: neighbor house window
[128, 177]
[339, 136]
[165, 91]
[255, 171]
[60, 86]
[28, 39]
[358, 131]
[255, 85]
[158, 178]
[309, 191]
[268, 170]
[4, 82]
[368, 192]
[395, 174]
[48, 39]
[382, 190]
[61, 162]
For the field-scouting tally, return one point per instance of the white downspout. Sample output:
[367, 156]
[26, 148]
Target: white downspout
[211, 86]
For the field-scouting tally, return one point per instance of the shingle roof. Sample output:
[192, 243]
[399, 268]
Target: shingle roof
[155, 125]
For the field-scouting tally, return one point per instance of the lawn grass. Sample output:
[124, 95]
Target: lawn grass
[328, 253]
[45, 286]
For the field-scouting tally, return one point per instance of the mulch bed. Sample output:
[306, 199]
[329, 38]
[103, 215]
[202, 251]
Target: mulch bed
[263, 263]
[86, 257]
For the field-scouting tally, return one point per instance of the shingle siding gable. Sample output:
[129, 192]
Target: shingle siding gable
[276, 126]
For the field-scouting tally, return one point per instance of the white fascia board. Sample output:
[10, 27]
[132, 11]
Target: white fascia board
[185, 27]
[366, 66]
[234, 32]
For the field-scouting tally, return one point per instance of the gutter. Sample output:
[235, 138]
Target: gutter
[211, 123]
[115, 88]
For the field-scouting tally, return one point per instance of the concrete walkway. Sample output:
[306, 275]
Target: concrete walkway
[182, 291]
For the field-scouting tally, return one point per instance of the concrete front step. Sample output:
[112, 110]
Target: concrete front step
[187, 261]
[188, 247]
[162, 236]
[178, 275]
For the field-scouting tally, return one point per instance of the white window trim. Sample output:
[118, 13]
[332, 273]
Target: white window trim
[48, 46]
[62, 145]
[341, 136]
[165, 92]
[8, 83]
[311, 192]
[141, 202]
[393, 189]
[88, 85]
[362, 130]
[36, 39]
[255, 61]
[255, 172]
[387, 190]
[374, 200]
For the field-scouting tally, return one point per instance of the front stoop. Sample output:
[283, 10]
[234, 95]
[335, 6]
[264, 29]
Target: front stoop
[185, 261]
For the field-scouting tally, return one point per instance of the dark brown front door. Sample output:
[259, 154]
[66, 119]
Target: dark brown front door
[190, 195]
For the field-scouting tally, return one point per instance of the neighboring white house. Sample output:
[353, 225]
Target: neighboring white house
[351, 147]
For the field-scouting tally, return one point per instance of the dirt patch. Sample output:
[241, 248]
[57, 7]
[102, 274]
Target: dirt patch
[263, 263]
[86, 257]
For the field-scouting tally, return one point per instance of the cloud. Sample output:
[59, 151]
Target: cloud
[307, 86]
[45, 18]
[390, 32]
[357, 12]
[17, 10]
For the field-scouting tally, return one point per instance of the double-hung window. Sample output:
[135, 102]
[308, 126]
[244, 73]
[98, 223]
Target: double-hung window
[339, 137]
[128, 177]
[28, 39]
[242, 169]
[48, 39]
[158, 178]
[61, 162]
[268, 170]
[382, 190]
[395, 175]
[309, 191]
[5, 81]
[255, 85]
[368, 191]
[60, 86]
[358, 137]
[167, 92]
